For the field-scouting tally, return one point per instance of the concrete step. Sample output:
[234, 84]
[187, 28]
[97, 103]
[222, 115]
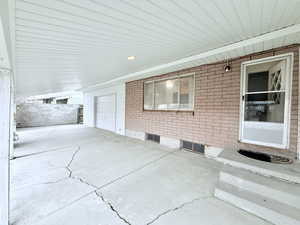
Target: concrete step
[290, 172]
[281, 191]
[268, 209]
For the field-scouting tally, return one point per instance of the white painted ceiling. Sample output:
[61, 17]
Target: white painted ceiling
[63, 45]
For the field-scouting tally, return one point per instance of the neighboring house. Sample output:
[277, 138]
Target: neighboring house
[250, 102]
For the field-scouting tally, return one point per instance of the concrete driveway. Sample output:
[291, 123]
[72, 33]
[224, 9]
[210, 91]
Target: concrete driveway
[72, 175]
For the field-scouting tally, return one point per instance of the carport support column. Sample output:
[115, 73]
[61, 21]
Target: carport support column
[298, 143]
[5, 115]
[5, 111]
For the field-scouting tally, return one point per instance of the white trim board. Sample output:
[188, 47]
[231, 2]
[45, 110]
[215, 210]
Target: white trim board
[241, 44]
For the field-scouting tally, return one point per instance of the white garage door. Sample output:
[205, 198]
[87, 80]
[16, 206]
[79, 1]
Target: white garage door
[106, 112]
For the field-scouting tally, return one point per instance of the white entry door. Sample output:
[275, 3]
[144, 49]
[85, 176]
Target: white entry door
[266, 102]
[106, 112]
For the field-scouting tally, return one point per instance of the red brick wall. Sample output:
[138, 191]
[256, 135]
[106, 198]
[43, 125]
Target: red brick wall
[215, 121]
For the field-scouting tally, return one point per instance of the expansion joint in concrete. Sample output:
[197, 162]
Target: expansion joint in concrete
[39, 153]
[138, 169]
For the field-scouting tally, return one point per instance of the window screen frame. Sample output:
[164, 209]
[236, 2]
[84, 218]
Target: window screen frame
[177, 77]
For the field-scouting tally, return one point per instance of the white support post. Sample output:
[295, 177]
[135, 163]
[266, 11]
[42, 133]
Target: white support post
[298, 139]
[5, 100]
[5, 127]
[12, 117]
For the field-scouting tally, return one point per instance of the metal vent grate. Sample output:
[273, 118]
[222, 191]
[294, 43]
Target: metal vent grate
[187, 145]
[199, 148]
[196, 147]
[153, 137]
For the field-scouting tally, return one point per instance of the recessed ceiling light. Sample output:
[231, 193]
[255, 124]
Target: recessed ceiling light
[131, 57]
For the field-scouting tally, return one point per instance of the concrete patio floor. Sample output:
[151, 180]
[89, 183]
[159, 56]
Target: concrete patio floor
[73, 175]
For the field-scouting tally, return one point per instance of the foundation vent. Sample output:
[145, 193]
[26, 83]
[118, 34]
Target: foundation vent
[153, 137]
[191, 146]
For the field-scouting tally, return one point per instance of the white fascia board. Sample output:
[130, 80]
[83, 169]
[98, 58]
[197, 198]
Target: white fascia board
[261, 38]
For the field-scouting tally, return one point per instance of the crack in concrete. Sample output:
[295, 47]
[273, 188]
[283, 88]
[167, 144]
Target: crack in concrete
[84, 182]
[68, 167]
[112, 208]
[107, 184]
[174, 209]
[70, 162]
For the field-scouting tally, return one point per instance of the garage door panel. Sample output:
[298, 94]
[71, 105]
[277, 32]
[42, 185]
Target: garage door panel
[106, 112]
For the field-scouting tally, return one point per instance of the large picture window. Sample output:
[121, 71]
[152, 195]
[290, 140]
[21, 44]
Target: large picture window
[175, 93]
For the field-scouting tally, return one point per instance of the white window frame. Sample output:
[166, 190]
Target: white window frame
[165, 79]
[289, 57]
